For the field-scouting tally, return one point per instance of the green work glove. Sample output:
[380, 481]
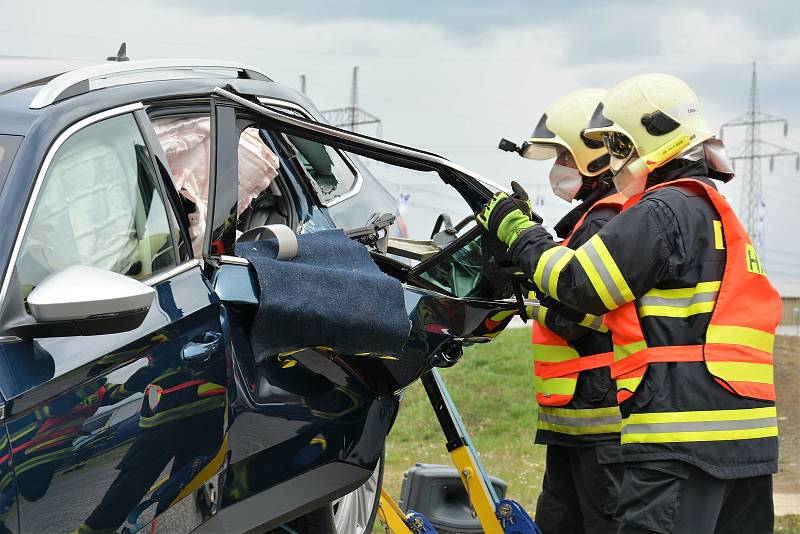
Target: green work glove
[507, 216]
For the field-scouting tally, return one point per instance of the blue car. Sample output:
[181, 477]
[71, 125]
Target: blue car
[132, 397]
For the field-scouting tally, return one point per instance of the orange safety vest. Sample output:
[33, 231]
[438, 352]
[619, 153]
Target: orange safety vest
[556, 363]
[740, 335]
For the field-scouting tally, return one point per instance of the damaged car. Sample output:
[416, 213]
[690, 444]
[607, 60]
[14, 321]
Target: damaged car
[150, 372]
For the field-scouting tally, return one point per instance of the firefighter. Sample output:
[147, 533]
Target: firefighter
[690, 309]
[578, 416]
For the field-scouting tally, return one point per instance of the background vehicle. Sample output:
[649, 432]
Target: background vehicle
[104, 306]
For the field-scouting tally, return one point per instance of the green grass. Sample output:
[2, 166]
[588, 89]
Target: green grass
[492, 386]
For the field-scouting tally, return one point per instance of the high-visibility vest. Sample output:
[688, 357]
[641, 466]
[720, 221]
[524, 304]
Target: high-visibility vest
[556, 363]
[738, 342]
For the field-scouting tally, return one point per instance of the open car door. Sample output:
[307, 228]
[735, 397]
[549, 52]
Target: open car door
[309, 425]
[455, 291]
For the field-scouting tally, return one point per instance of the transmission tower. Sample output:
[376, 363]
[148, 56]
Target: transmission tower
[751, 151]
[352, 116]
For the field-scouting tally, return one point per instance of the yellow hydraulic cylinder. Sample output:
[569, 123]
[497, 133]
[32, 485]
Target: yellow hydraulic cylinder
[477, 491]
[391, 515]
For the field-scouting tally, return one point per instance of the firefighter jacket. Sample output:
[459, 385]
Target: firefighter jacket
[693, 324]
[574, 389]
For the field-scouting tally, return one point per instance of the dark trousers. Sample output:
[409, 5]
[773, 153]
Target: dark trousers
[676, 497]
[579, 493]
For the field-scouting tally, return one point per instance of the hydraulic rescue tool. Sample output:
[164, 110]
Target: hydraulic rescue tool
[496, 516]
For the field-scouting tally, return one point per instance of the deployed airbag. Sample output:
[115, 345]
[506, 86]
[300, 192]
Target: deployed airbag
[330, 295]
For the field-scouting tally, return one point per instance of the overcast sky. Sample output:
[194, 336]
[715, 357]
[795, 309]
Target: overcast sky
[453, 77]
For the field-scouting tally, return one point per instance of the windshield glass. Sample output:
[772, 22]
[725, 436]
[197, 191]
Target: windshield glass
[8, 147]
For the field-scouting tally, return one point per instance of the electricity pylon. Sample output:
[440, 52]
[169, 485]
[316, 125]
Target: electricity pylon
[751, 151]
[352, 116]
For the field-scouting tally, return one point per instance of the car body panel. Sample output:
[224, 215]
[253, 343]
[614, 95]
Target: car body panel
[77, 421]
[292, 433]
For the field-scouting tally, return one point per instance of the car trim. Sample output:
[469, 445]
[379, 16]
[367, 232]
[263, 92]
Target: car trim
[353, 191]
[96, 76]
[157, 278]
[66, 134]
[325, 129]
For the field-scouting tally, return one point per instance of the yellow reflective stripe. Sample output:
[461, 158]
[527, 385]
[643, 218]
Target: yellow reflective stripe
[499, 316]
[677, 311]
[543, 259]
[208, 386]
[40, 459]
[182, 411]
[552, 282]
[613, 270]
[594, 322]
[580, 413]
[553, 353]
[16, 436]
[684, 292]
[44, 444]
[742, 371]
[555, 386]
[541, 315]
[702, 425]
[595, 279]
[705, 435]
[629, 383]
[700, 415]
[575, 430]
[621, 351]
[740, 335]
[719, 242]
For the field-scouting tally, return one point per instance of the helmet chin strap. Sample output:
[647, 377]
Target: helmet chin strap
[632, 178]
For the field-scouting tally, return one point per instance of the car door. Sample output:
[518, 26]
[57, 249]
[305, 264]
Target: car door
[108, 431]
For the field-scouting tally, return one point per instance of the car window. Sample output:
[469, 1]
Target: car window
[99, 205]
[333, 176]
[186, 142]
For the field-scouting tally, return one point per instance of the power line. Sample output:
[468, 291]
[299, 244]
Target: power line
[751, 152]
[352, 116]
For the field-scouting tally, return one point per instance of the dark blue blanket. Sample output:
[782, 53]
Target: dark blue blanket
[332, 294]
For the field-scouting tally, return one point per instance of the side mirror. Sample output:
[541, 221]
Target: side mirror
[83, 300]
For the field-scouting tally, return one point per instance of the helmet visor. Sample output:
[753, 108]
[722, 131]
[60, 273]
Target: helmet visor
[539, 151]
[618, 144]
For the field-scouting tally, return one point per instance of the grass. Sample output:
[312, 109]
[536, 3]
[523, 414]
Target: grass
[492, 386]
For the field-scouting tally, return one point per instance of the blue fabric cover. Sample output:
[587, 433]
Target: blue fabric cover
[332, 294]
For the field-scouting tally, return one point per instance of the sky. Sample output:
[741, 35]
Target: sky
[453, 77]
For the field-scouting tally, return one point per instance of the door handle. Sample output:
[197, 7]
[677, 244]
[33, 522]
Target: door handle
[198, 352]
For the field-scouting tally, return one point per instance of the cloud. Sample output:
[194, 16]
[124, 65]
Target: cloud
[453, 76]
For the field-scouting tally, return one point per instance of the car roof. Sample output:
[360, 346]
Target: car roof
[16, 71]
[24, 79]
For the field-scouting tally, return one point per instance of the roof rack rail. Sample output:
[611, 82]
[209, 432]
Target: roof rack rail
[83, 80]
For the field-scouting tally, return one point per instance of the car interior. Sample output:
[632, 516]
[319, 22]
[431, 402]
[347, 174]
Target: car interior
[455, 261]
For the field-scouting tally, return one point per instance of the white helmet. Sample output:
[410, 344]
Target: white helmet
[658, 115]
[563, 125]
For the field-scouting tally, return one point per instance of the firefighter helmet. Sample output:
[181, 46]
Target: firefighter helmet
[563, 125]
[649, 113]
